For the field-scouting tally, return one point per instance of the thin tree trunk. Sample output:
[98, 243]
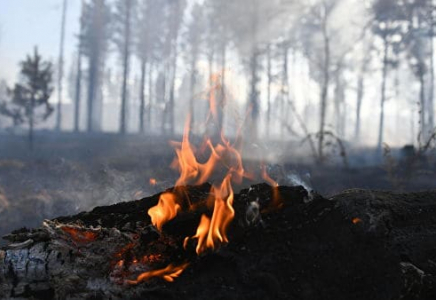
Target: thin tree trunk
[172, 91]
[92, 78]
[269, 75]
[324, 93]
[78, 95]
[222, 100]
[423, 108]
[191, 90]
[78, 91]
[285, 88]
[142, 95]
[61, 67]
[150, 97]
[383, 96]
[126, 57]
[360, 93]
[254, 105]
[431, 96]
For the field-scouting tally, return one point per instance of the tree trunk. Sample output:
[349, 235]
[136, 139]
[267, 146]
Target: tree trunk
[192, 90]
[172, 91]
[324, 93]
[150, 97]
[431, 96]
[222, 96]
[383, 96]
[142, 95]
[423, 107]
[269, 78]
[78, 95]
[61, 67]
[284, 90]
[254, 95]
[31, 122]
[92, 85]
[126, 58]
[360, 93]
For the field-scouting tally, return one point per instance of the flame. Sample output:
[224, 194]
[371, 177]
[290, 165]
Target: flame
[166, 210]
[191, 171]
[277, 201]
[168, 273]
[212, 232]
[153, 181]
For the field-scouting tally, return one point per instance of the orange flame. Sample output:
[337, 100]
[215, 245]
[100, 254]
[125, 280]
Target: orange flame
[168, 273]
[191, 171]
[152, 181]
[275, 187]
[166, 210]
[212, 232]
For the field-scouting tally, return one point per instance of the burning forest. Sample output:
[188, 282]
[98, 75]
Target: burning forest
[216, 149]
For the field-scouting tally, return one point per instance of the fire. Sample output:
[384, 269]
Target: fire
[165, 210]
[275, 187]
[212, 232]
[168, 273]
[152, 181]
[191, 171]
[219, 162]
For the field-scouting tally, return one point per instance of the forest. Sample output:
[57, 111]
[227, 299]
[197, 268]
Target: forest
[280, 149]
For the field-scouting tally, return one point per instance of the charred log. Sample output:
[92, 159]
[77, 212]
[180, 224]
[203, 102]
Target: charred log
[357, 245]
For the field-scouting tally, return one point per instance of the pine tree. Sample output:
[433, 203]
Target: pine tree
[30, 97]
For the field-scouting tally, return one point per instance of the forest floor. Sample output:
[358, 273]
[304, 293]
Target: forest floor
[68, 173]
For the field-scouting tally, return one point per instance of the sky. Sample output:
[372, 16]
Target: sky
[25, 24]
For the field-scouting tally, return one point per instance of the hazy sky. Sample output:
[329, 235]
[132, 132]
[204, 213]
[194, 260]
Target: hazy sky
[26, 23]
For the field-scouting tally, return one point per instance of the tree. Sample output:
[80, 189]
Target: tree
[148, 45]
[61, 67]
[193, 42]
[31, 94]
[96, 36]
[123, 34]
[388, 25]
[419, 48]
[78, 81]
[174, 17]
[251, 23]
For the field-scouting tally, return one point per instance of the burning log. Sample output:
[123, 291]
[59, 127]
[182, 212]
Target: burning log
[357, 245]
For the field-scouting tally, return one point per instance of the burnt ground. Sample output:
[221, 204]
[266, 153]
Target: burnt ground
[311, 248]
[69, 173]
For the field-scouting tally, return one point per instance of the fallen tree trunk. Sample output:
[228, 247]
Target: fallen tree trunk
[357, 245]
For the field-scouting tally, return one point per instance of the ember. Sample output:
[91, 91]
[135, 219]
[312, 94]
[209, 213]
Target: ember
[80, 235]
